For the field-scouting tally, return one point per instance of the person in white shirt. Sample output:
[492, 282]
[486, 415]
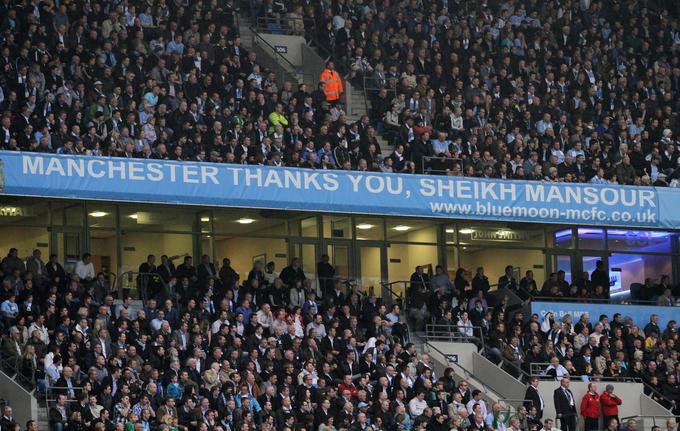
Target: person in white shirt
[265, 317]
[417, 405]
[217, 324]
[477, 399]
[270, 274]
[39, 325]
[158, 321]
[555, 369]
[85, 268]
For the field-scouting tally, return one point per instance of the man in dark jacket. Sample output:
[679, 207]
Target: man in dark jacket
[565, 406]
[292, 273]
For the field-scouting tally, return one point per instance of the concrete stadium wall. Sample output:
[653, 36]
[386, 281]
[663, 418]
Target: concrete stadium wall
[292, 44]
[463, 350]
[24, 404]
[497, 379]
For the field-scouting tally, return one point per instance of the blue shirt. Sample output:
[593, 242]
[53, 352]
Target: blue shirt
[247, 312]
[440, 147]
[10, 309]
[254, 406]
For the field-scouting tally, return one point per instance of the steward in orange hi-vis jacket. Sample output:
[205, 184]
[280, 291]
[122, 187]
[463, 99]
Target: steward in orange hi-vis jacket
[332, 83]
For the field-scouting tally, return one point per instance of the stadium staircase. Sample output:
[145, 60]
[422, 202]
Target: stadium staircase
[355, 98]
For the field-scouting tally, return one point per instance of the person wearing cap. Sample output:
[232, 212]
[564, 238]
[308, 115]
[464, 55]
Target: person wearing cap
[610, 404]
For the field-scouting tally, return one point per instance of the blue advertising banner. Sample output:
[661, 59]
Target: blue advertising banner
[193, 183]
[639, 313]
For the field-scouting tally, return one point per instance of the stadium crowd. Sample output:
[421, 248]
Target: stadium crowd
[570, 91]
[212, 351]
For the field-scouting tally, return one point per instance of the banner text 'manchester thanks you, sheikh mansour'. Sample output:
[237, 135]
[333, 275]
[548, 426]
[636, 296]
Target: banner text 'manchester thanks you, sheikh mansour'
[138, 180]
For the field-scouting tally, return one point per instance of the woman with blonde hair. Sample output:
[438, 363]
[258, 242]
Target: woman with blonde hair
[29, 365]
[75, 422]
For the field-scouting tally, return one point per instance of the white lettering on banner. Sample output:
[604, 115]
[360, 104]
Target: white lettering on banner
[173, 173]
[136, 170]
[33, 165]
[55, 167]
[273, 178]
[332, 183]
[355, 180]
[78, 168]
[378, 184]
[92, 173]
[155, 172]
[610, 196]
[118, 169]
[190, 175]
[305, 180]
[449, 197]
[465, 189]
[209, 172]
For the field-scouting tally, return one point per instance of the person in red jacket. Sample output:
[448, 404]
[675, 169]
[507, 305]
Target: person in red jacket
[610, 404]
[590, 408]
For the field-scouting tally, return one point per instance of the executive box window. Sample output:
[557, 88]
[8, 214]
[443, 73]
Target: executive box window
[101, 216]
[562, 238]
[68, 213]
[590, 238]
[409, 230]
[157, 218]
[22, 211]
[641, 241]
[369, 228]
[304, 227]
[337, 227]
[242, 222]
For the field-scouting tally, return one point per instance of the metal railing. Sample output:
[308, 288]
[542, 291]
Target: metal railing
[618, 301]
[454, 333]
[438, 165]
[326, 285]
[396, 295]
[467, 374]
[293, 26]
[281, 66]
[13, 370]
[372, 86]
[392, 296]
[539, 369]
[139, 281]
[513, 369]
[657, 396]
[513, 402]
[284, 26]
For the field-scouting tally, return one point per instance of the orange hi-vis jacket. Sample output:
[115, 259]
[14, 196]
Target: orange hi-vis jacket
[333, 88]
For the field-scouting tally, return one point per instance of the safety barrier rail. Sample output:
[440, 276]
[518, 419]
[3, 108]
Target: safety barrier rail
[440, 165]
